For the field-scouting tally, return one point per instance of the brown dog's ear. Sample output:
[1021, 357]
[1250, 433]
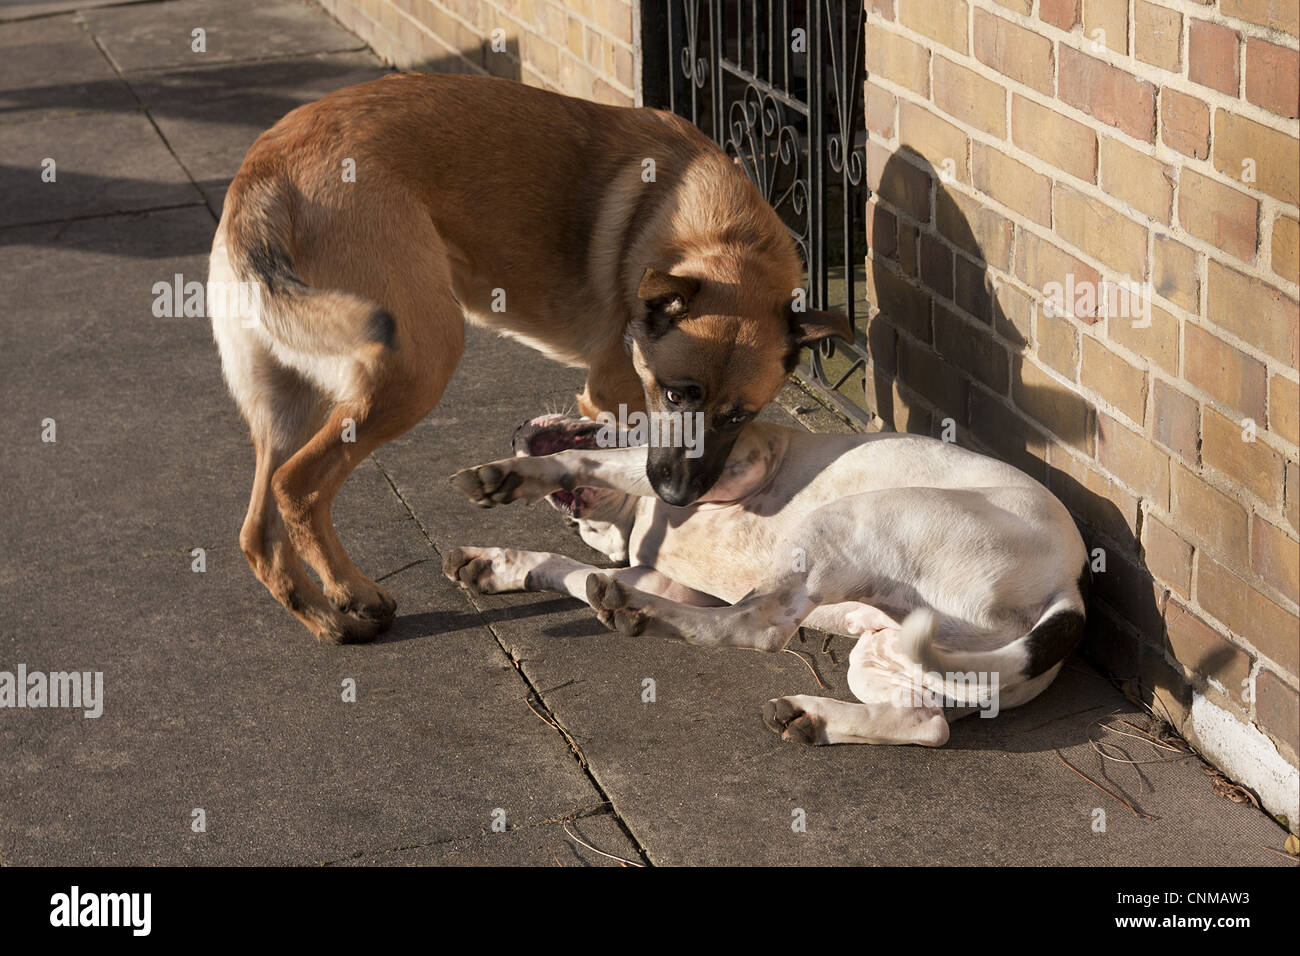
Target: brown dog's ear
[665, 292]
[814, 324]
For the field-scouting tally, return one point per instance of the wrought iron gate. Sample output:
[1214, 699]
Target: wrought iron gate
[778, 84]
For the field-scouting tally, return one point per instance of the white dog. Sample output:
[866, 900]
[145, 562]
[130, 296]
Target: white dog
[965, 578]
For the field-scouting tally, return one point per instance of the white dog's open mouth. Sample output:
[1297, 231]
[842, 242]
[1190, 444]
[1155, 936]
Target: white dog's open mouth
[554, 433]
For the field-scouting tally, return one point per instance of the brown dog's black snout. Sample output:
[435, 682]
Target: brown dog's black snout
[680, 480]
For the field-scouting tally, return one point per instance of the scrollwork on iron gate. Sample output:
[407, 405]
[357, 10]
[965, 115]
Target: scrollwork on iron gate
[778, 84]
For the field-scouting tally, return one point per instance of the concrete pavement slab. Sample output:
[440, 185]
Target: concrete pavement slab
[215, 698]
[211, 115]
[699, 779]
[102, 163]
[157, 36]
[83, 81]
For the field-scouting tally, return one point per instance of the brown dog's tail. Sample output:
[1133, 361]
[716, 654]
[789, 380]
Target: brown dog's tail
[306, 320]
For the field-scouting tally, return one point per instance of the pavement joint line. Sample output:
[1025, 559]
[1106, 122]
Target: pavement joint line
[94, 38]
[580, 813]
[101, 215]
[577, 755]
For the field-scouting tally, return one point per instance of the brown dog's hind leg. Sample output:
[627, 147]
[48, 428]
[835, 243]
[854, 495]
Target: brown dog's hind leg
[305, 487]
[283, 410]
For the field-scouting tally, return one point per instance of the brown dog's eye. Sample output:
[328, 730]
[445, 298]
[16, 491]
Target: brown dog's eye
[673, 396]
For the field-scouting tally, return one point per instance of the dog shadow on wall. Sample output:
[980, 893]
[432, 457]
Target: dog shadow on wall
[949, 357]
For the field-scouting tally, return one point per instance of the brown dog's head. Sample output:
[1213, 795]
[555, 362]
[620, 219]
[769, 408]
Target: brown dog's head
[720, 351]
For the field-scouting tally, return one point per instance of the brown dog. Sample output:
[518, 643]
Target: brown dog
[369, 225]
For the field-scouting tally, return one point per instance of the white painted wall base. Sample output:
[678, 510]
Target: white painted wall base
[1247, 756]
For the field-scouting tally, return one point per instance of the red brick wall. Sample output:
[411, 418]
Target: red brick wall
[1017, 143]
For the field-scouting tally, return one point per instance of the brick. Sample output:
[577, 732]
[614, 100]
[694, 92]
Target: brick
[935, 262]
[1164, 690]
[1285, 257]
[1273, 630]
[1212, 56]
[884, 8]
[1008, 434]
[1158, 35]
[882, 231]
[1115, 380]
[1184, 123]
[969, 97]
[972, 349]
[906, 413]
[1277, 708]
[898, 181]
[1281, 15]
[1130, 589]
[1144, 183]
[1158, 341]
[1056, 138]
[1167, 556]
[1131, 457]
[1243, 147]
[1228, 374]
[941, 20]
[1218, 214]
[1250, 464]
[1039, 263]
[1254, 312]
[926, 373]
[1062, 14]
[1012, 183]
[1206, 653]
[1177, 422]
[1065, 414]
[1110, 17]
[973, 227]
[1175, 272]
[1095, 499]
[1014, 51]
[1116, 98]
[1013, 314]
[972, 292]
[937, 141]
[1273, 77]
[905, 306]
[908, 238]
[1292, 510]
[1058, 345]
[1101, 231]
[1020, 6]
[1275, 557]
[1208, 516]
[881, 107]
[897, 59]
[1283, 408]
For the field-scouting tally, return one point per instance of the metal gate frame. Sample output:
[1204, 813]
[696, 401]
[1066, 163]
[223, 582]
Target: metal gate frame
[796, 131]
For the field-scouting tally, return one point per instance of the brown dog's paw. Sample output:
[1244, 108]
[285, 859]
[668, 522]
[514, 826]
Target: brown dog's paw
[609, 600]
[367, 602]
[791, 721]
[488, 485]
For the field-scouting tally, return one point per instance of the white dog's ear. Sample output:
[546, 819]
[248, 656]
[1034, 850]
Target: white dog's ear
[807, 327]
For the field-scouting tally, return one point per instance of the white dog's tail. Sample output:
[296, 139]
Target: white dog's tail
[1052, 639]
